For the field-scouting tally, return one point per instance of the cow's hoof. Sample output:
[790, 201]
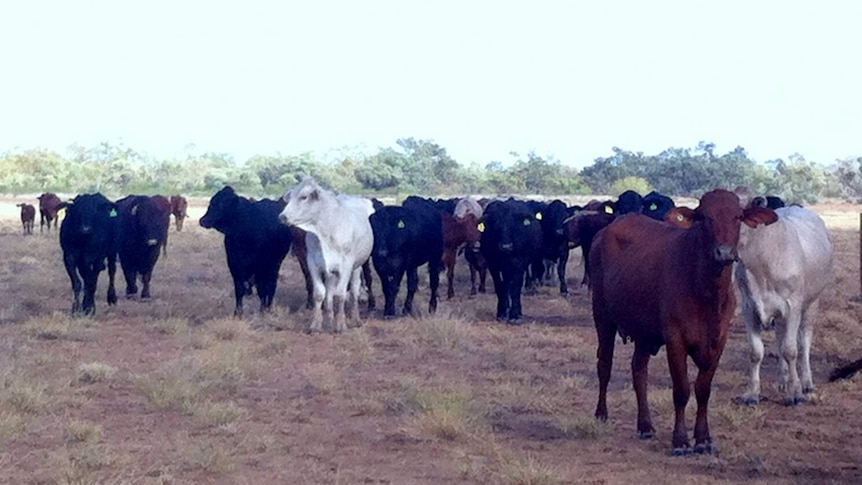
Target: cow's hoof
[682, 451]
[807, 390]
[706, 448]
[646, 435]
[793, 401]
[389, 317]
[313, 331]
[516, 321]
[747, 400]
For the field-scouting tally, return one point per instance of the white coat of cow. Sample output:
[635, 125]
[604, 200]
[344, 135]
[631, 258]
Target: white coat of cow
[783, 269]
[339, 241]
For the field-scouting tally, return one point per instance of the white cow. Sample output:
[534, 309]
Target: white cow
[339, 241]
[783, 269]
[468, 205]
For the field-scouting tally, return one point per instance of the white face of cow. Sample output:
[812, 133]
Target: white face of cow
[304, 202]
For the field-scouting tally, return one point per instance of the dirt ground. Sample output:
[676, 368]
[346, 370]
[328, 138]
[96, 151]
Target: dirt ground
[175, 391]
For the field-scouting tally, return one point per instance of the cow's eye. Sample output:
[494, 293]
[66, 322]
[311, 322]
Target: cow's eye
[303, 197]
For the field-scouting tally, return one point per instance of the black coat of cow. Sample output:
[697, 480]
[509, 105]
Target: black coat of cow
[555, 244]
[405, 238]
[88, 238]
[511, 238]
[144, 223]
[656, 205]
[254, 240]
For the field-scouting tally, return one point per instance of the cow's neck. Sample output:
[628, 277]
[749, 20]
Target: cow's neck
[710, 280]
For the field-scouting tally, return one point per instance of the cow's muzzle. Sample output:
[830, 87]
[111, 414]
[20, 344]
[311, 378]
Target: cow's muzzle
[724, 254]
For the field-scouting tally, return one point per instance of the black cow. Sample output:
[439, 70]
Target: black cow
[144, 223]
[581, 229]
[656, 205]
[510, 240]
[628, 202]
[555, 247]
[537, 271]
[88, 238]
[770, 202]
[254, 240]
[405, 238]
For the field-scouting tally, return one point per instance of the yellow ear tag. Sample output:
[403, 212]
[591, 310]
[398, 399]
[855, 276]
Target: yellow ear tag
[609, 209]
[653, 206]
[400, 224]
[527, 222]
[538, 216]
[481, 227]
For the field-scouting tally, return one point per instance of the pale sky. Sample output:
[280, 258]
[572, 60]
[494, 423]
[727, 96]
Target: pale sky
[569, 79]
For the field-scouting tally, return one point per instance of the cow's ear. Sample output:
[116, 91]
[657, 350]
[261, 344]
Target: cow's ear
[681, 217]
[753, 216]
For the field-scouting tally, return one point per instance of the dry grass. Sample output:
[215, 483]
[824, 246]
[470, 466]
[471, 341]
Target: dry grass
[95, 372]
[450, 398]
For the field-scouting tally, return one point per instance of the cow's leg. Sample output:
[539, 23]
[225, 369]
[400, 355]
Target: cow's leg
[72, 271]
[678, 364]
[788, 343]
[112, 272]
[302, 259]
[640, 378]
[266, 284]
[561, 272]
[473, 271]
[145, 284]
[42, 222]
[702, 388]
[339, 297]
[606, 333]
[449, 263]
[806, 335]
[483, 274]
[331, 285]
[131, 277]
[239, 291]
[354, 289]
[502, 295]
[585, 252]
[369, 285]
[391, 284]
[434, 277]
[91, 278]
[412, 285]
[514, 297]
[318, 294]
[752, 394]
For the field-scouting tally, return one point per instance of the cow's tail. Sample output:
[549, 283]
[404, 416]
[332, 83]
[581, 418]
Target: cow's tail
[846, 371]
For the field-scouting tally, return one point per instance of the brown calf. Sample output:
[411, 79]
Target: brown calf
[28, 217]
[49, 204]
[179, 206]
[658, 284]
[457, 232]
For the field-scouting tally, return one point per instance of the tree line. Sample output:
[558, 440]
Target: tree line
[424, 167]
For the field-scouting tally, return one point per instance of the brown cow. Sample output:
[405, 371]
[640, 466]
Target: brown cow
[179, 206]
[658, 284]
[49, 204]
[458, 231]
[28, 217]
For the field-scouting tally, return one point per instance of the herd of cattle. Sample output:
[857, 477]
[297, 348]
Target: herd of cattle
[659, 275]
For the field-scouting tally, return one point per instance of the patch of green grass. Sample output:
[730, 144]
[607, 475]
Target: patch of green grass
[94, 372]
[583, 427]
[446, 414]
[518, 469]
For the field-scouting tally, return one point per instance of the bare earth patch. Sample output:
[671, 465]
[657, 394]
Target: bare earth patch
[174, 391]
